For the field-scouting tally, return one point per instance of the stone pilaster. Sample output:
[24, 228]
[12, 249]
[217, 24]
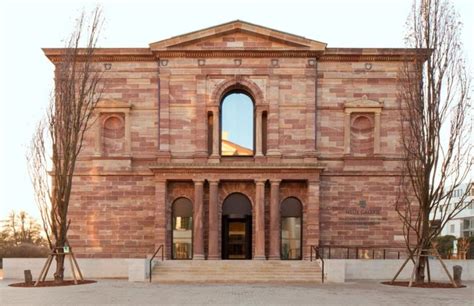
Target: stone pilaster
[215, 134]
[312, 217]
[213, 221]
[258, 134]
[274, 219]
[198, 237]
[259, 220]
[160, 216]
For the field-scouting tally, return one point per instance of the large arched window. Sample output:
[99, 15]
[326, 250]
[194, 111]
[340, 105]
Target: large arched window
[182, 229]
[291, 215]
[237, 122]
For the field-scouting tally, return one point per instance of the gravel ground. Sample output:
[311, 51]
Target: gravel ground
[126, 293]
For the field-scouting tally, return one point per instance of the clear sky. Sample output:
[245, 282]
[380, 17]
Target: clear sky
[27, 26]
[237, 119]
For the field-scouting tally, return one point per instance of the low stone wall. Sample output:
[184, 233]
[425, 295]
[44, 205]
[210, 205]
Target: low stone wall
[340, 270]
[131, 269]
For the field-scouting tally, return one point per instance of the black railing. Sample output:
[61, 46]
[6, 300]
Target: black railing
[150, 267]
[361, 252]
[318, 256]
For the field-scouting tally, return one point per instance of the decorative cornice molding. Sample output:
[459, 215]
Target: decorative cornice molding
[235, 53]
[110, 58]
[363, 102]
[328, 55]
[237, 166]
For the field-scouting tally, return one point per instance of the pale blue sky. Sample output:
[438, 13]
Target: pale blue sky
[27, 26]
[237, 119]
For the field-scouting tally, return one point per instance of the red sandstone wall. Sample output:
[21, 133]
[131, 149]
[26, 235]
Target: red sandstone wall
[345, 222]
[112, 216]
[345, 182]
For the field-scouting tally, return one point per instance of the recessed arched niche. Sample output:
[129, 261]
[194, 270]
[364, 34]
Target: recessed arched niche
[362, 134]
[113, 128]
[113, 134]
[362, 127]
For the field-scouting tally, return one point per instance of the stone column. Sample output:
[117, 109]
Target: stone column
[213, 220]
[215, 133]
[274, 219]
[312, 217]
[198, 239]
[260, 220]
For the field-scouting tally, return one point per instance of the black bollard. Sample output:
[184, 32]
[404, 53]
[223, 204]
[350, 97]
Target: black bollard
[457, 272]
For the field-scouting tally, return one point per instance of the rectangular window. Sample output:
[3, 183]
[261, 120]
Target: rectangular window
[468, 227]
[452, 228]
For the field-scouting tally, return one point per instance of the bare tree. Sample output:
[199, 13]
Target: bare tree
[436, 122]
[58, 139]
[21, 228]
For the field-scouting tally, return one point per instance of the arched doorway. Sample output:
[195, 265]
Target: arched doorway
[182, 234]
[237, 227]
[291, 228]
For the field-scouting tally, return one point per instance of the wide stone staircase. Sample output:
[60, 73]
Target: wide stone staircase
[236, 271]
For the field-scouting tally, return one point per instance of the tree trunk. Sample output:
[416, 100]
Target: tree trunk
[59, 274]
[420, 271]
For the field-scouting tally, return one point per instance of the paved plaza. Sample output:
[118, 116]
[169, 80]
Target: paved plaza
[123, 292]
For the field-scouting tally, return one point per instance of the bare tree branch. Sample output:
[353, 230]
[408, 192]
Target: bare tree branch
[58, 139]
[436, 125]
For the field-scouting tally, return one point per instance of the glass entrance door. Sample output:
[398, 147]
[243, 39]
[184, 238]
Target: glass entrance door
[236, 243]
[236, 238]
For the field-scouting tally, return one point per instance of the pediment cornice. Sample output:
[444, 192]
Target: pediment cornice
[285, 41]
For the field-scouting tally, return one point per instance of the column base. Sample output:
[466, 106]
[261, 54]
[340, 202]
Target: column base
[259, 257]
[213, 159]
[198, 257]
[213, 257]
[274, 257]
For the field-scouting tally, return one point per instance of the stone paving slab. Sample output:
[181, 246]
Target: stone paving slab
[122, 292]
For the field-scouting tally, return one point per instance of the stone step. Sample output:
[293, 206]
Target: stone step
[236, 271]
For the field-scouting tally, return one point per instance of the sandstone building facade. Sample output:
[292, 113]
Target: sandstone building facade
[322, 168]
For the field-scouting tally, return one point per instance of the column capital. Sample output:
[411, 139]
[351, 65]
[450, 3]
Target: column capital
[275, 181]
[198, 181]
[260, 181]
[213, 181]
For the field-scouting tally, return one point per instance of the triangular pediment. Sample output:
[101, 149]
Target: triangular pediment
[238, 35]
[363, 103]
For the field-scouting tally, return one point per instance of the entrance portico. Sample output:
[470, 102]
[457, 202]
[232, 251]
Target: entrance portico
[222, 229]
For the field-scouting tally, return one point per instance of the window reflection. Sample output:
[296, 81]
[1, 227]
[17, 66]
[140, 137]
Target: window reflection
[291, 238]
[182, 229]
[237, 138]
[291, 212]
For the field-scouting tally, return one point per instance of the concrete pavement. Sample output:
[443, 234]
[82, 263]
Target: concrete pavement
[127, 293]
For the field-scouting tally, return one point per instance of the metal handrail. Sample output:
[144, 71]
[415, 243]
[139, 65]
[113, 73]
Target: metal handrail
[318, 256]
[153, 257]
[356, 248]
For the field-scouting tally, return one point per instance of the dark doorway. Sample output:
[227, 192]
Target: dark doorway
[237, 227]
[237, 238]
